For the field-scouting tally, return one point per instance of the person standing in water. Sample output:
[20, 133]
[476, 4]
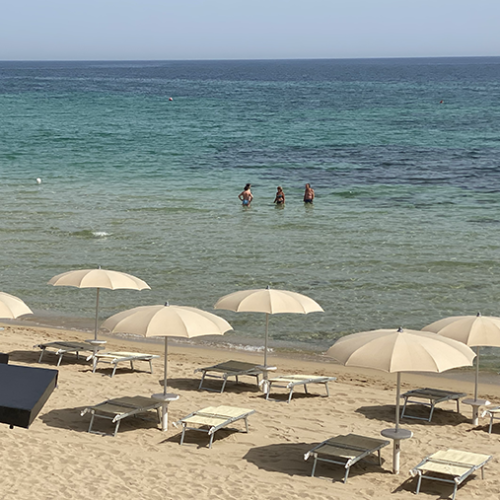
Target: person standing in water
[309, 194]
[280, 197]
[246, 196]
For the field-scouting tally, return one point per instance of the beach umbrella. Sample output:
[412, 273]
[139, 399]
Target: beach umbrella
[396, 351]
[12, 307]
[167, 321]
[474, 331]
[268, 301]
[98, 278]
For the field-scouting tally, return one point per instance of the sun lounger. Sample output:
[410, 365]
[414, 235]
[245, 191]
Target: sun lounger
[291, 381]
[120, 357]
[230, 369]
[493, 413]
[62, 348]
[118, 409]
[450, 466]
[213, 418]
[434, 396]
[345, 450]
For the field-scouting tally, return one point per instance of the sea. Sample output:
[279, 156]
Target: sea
[137, 166]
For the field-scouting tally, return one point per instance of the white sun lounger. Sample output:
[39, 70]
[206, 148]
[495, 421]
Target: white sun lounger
[345, 450]
[291, 381]
[62, 348]
[493, 413]
[121, 357]
[229, 369]
[119, 408]
[450, 466]
[212, 419]
[434, 396]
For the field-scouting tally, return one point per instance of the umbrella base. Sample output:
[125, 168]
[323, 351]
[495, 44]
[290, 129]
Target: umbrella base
[476, 404]
[166, 398]
[397, 435]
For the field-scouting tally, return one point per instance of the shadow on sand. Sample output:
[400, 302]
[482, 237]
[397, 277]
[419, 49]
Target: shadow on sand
[288, 458]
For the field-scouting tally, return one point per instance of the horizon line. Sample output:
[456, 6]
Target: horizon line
[253, 59]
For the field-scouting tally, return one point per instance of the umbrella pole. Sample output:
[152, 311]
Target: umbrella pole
[477, 373]
[165, 368]
[398, 391]
[96, 314]
[265, 343]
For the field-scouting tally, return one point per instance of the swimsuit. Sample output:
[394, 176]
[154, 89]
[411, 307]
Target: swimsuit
[245, 202]
[309, 200]
[279, 200]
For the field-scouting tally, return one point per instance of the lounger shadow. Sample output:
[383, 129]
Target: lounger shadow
[385, 413]
[28, 357]
[288, 458]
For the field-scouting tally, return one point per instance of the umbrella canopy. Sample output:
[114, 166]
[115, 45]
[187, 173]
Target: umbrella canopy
[12, 307]
[401, 351]
[98, 278]
[268, 301]
[167, 321]
[397, 351]
[474, 331]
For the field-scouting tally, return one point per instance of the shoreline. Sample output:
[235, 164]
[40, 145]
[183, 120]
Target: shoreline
[459, 379]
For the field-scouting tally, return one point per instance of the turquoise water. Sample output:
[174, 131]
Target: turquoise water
[404, 229]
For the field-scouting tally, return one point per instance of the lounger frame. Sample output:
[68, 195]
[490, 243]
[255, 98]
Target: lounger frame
[457, 479]
[345, 450]
[115, 358]
[119, 408]
[494, 414]
[228, 369]
[291, 381]
[62, 348]
[212, 419]
[434, 396]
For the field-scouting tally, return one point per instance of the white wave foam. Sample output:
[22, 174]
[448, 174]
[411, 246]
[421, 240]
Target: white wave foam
[100, 234]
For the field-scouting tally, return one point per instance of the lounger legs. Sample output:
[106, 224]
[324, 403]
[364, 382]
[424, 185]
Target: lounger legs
[419, 482]
[224, 383]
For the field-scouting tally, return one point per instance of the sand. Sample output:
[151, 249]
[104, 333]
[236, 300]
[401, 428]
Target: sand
[58, 458]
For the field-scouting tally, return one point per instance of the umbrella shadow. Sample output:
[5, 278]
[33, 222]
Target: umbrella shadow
[71, 419]
[386, 413]
[288, 458]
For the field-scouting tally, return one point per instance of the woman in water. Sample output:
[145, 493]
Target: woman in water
[309, 194]
[246, 196]
[280, 197]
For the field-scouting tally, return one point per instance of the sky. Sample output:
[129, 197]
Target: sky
[246, 29]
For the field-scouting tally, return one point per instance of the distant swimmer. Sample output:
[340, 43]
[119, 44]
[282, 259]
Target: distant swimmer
[170, 99]
[38, 180]
[246, 196]
[280, 197]
[441, 102]
[309, 194]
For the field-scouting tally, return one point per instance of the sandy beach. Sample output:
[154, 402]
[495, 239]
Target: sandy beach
[58, 458]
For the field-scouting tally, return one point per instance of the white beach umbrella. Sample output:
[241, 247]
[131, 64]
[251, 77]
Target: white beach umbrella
[396, 351]
[474, 331]
[268, 301]
[12, 307]
[167, 321]
[98, 278]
